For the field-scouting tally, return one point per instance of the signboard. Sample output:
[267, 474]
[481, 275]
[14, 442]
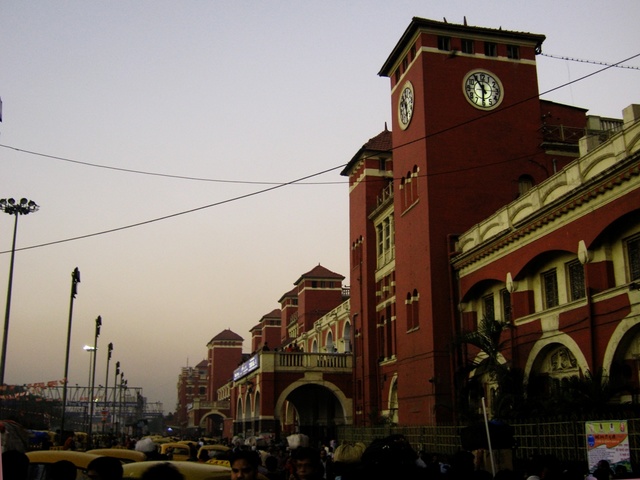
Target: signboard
[247, 367]
[608, 440]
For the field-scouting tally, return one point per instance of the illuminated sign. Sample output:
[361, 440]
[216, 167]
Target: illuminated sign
[247, 367]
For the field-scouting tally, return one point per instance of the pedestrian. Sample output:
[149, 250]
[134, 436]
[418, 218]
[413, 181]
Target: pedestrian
[307, 464]
[105, 468]
[162, 471]
[244, 465]
[63, 470]
[15, 465]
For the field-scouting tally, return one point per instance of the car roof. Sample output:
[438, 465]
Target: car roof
[120, 453]
[190, 470]
[79, 459]
[221, 448]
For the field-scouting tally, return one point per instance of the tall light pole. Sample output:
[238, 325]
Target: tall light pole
[115, 386]
[9, 206]
[92, 352]
[93, 379]
[75, 280]
[106, 389]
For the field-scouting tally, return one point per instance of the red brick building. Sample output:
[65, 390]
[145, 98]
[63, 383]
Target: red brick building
[470, 135]
[486, 202]
[192, 388]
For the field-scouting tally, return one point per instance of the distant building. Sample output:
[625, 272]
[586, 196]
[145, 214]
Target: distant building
[192, 389]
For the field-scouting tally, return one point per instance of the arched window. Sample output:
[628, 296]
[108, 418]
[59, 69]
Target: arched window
[330, 342]
[347, 337]
[314, 347]
[525, 183]
[239, 411]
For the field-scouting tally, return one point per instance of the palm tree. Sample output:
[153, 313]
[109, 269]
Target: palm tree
[487, 339]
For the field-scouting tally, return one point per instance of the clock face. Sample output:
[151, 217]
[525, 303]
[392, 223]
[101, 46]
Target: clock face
[483, 89]
[405, 105]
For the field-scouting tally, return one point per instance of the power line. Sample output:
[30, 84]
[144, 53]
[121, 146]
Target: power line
[248, 182]
[297, 181]
[165, 217]
[592, 62]
[155, 174]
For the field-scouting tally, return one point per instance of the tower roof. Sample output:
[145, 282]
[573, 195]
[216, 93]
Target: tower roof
[275, 313]
[291, 293]
[418, 25]
[227, 336]
[380, 143]
[320, 272]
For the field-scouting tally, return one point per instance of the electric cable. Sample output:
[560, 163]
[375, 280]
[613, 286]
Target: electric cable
[280, 185]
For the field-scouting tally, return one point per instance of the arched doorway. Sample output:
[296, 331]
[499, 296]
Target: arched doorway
[314, 409]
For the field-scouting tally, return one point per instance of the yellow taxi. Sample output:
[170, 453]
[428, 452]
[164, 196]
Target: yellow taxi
[217, 454]
[190, 470]
[40, 462]
[122, 454]
[176, 451]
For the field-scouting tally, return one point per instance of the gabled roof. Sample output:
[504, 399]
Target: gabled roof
[291, 293]
[227, 336]
[443, 28]
[321, 273]
[275, 313]
[381, 143]
[202, 364]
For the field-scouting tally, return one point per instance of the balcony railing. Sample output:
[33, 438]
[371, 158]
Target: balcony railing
[313, 361]
[563, 134]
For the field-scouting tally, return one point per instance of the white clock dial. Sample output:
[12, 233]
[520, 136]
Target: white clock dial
[483, 89]
[406, 105]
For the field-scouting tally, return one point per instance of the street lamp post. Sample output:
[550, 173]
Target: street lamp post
[106, 389]
[92, 352]
[93, 380]
[115, 386]
[9, 206]
[75, 280]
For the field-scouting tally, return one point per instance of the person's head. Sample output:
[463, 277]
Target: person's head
[15, 465]
[162, 471]
[105, 468]
[271, 463]
[348, 452]
[307, 461]
[63, 470]
[244, 465]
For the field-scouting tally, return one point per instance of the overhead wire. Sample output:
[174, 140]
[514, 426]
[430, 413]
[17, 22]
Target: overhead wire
[155, 174]
[173, 215]
[296, 181]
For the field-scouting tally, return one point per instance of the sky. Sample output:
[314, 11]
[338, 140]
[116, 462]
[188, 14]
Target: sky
[229, 112]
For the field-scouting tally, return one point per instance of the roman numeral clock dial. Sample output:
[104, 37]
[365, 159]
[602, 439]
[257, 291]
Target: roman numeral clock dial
[482, 89]
[405, 105]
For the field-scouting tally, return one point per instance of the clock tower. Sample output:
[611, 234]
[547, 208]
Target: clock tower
[466, 130]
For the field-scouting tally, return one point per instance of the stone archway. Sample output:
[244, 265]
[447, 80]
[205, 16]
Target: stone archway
[213, 424]
[317, 406]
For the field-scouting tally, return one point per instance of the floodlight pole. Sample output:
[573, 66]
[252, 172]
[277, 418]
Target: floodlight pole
[11, 207]
[93, 380]
[75, 280]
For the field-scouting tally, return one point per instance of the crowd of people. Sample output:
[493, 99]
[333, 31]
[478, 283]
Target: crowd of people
[388, 458]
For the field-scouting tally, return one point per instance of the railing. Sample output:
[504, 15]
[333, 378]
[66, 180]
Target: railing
[219, 405]
[386, 194]
[313, 361]
[562, 134]
[565, 440]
